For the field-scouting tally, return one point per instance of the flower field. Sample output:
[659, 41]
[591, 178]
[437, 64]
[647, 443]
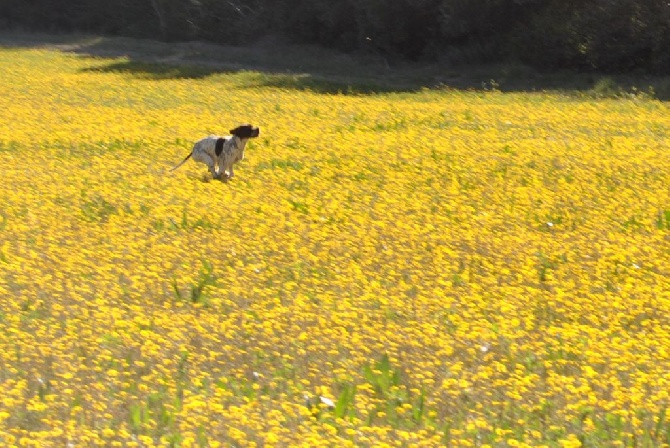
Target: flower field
[388, 269]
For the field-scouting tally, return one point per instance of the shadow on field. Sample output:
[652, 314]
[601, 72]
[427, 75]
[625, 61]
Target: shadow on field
[303, 67]
[247, 78]
[148, 70]
[268, 63]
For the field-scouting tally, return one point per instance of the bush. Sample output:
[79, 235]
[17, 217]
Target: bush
[606, 35]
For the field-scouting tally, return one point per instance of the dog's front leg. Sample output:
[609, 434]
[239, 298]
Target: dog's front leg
[222, 172]
[226, 169]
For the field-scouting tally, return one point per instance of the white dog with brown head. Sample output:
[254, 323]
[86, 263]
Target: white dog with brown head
[221, 153]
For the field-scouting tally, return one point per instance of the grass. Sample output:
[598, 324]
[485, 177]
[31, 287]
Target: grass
[197, 294]
[390, 265]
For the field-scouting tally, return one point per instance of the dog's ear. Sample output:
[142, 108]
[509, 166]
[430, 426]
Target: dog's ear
[235, 131]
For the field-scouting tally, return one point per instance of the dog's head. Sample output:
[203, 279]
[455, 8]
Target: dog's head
[245, 131]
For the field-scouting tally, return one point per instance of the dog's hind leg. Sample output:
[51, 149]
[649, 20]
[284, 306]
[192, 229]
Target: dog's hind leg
[201, 156]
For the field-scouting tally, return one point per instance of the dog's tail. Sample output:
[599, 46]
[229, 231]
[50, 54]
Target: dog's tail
[182, 162]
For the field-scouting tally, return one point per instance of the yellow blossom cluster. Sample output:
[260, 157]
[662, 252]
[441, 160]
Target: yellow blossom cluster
[388, 269]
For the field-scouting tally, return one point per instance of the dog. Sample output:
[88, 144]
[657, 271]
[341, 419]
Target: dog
[221, 153]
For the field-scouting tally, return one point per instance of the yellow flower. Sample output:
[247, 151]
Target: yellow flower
[438, 263]
[571, 442]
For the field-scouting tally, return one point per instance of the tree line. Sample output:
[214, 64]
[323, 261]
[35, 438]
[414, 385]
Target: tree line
[604, 35]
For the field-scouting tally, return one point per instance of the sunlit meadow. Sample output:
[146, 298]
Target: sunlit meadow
[386, 269]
